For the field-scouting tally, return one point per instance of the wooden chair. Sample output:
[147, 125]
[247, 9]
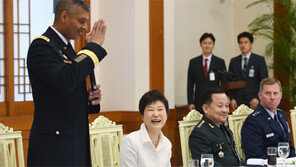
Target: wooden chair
[293, 124]
[105, 141]
[185, 128]
[236, 121]
[10, 141]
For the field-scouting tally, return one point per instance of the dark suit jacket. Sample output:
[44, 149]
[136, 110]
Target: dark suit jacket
[196, 79]
[259, 65]
[260, 131]
[207, 138]
[60, 135]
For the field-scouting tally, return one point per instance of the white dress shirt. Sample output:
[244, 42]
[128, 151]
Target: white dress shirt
[209, 60]
[137, 149]
[60, 35]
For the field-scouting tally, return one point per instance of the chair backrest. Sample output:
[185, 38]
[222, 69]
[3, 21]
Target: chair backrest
[236, 121]
[11, 147]
[293, 122]
[105, 140]
[185, 128]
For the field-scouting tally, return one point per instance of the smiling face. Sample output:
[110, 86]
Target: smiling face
[155, 116]
[207, 46]
[218, 109]
[75, 23]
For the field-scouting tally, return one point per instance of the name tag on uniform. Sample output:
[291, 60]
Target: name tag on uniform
[212, 76]
[252, 72]
[269, 135]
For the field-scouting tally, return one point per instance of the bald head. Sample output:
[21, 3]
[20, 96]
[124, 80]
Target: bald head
[69, 6]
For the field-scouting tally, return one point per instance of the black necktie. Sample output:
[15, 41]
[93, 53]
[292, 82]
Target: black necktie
[245, 68]
[223, 129]
[280, 124]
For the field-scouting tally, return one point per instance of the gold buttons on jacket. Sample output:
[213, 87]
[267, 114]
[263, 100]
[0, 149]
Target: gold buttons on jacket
[57, 132]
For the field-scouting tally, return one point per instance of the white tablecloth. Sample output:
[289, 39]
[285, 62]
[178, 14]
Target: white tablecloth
[279, 161]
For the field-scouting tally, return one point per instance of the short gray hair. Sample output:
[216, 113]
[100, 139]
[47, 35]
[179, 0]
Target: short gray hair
[69, 6]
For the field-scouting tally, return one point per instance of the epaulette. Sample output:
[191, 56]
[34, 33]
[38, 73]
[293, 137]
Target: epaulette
[43, 37]
[200, 123]
[256, 113]
[212, 126]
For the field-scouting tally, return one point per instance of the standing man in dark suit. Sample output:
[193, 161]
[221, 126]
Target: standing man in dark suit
[210, 136]
[267, 125]
[201, 75]
[247, 67]
[60, 135]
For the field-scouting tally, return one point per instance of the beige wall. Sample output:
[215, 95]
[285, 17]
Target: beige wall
[225, 20]
[124, 73]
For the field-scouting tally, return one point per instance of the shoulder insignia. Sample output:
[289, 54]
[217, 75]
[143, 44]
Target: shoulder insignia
[256, 113]
[200, 123]
[211, 125]
[43, 37]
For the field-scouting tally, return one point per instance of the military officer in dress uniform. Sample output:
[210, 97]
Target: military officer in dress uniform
[60, 135]
[210, 136]
[267, 125]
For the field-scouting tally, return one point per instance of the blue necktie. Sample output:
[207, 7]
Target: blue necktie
[245, 68]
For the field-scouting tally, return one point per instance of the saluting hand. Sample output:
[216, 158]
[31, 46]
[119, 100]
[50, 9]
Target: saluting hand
[97, 34]
[95, 96]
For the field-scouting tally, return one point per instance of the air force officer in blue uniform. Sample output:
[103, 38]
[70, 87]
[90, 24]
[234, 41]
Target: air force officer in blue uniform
[267, 125]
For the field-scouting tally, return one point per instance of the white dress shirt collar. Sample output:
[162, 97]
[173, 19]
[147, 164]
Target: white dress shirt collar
[60, 35]
[209, 57]
[137, 149]
[248, 56]
[146, 138]
[270, 112]
[209, 60]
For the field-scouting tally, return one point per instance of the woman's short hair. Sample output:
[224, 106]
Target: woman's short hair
[151, 97]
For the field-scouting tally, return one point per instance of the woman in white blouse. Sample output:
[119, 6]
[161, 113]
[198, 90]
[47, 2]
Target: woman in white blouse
[148, 146]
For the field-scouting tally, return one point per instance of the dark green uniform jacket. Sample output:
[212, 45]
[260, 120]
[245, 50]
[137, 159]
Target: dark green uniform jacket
[60, 134]
[207, 138]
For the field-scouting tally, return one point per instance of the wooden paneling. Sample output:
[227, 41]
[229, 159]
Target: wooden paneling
[131, 121]
[8, 54]
[3, 109]
[156, 45]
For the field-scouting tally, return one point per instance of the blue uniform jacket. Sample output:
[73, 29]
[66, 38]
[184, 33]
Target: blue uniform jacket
[260, 131]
